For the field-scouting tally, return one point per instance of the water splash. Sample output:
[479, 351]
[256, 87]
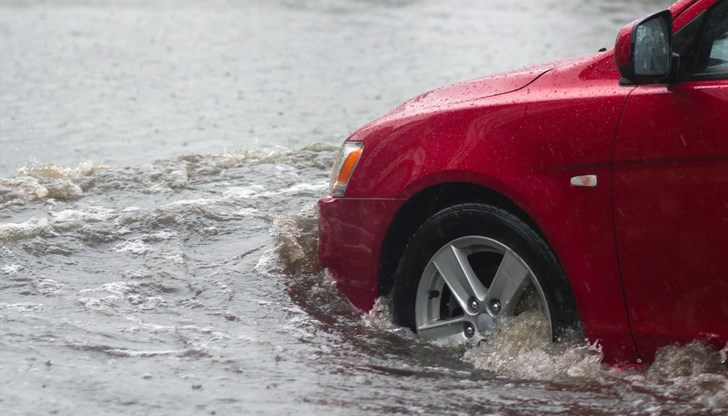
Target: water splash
[379, 318]
[522, 347]
[40, 182]
[693, 372]
[297, 242]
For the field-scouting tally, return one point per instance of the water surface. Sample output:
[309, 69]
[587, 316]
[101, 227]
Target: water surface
[159, 168]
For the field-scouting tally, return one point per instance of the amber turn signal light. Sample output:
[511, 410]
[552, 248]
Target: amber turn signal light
[344, 167]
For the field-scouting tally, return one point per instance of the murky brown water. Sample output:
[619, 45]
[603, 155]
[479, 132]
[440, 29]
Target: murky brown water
[159, 167]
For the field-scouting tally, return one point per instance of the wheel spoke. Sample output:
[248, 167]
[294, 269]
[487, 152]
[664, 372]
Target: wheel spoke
[442, 329]
[508, 281]
[452, 264]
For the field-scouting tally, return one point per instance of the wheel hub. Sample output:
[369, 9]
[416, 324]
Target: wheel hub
[455, 301]
[485, 323]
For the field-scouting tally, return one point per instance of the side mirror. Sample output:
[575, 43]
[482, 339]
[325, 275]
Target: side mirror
[644, 50]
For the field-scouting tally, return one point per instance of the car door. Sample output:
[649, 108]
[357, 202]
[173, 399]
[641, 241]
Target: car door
[671, 195]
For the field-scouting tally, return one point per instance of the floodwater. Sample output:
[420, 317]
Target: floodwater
[159, 166]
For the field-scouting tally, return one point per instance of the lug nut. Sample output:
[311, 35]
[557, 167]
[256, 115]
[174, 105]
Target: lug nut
[495, 306]
[474, 305]
[469, 330]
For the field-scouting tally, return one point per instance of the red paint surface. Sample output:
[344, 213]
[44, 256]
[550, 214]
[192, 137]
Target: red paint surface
[351, 233]
[688, 11]
[671, 212]
[660, 209]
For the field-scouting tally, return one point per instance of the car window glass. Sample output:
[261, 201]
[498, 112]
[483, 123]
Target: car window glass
[719, 52]
[714, 46]
[684, 40]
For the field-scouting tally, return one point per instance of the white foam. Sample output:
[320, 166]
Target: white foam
[58, 222]
[243, 192]
[99, 304]
[319, 187]
[57, 172]
[247, 212]
[40, 182]
[201, 202]
[117, 288]
[262, 154]
[73, 216]
[11, 269]
[134, 246]
[150, 328]
[48, 286]
[21, 307]
[121, 352]
[146, 302]
[34, 227]
[161, 235]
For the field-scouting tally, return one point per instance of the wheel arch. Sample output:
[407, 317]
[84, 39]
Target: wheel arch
[427, 202]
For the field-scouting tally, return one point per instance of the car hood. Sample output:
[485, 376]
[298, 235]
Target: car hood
[489, 86]
[460, 95]
[472, 90]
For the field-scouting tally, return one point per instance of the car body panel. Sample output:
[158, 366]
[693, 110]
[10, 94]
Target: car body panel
[680, 6]
[671, 212]
[350, 241]
[576, 221]
[688, 11]
[471, 90]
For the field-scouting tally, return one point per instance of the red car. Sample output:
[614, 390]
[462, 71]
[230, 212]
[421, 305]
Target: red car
[595, 189]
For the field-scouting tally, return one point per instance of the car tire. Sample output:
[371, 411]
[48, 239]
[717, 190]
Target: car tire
[471, 266]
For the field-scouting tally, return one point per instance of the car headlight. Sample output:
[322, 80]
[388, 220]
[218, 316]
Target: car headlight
[344, 165]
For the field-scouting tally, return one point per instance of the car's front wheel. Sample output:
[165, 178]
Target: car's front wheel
[470, 267]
